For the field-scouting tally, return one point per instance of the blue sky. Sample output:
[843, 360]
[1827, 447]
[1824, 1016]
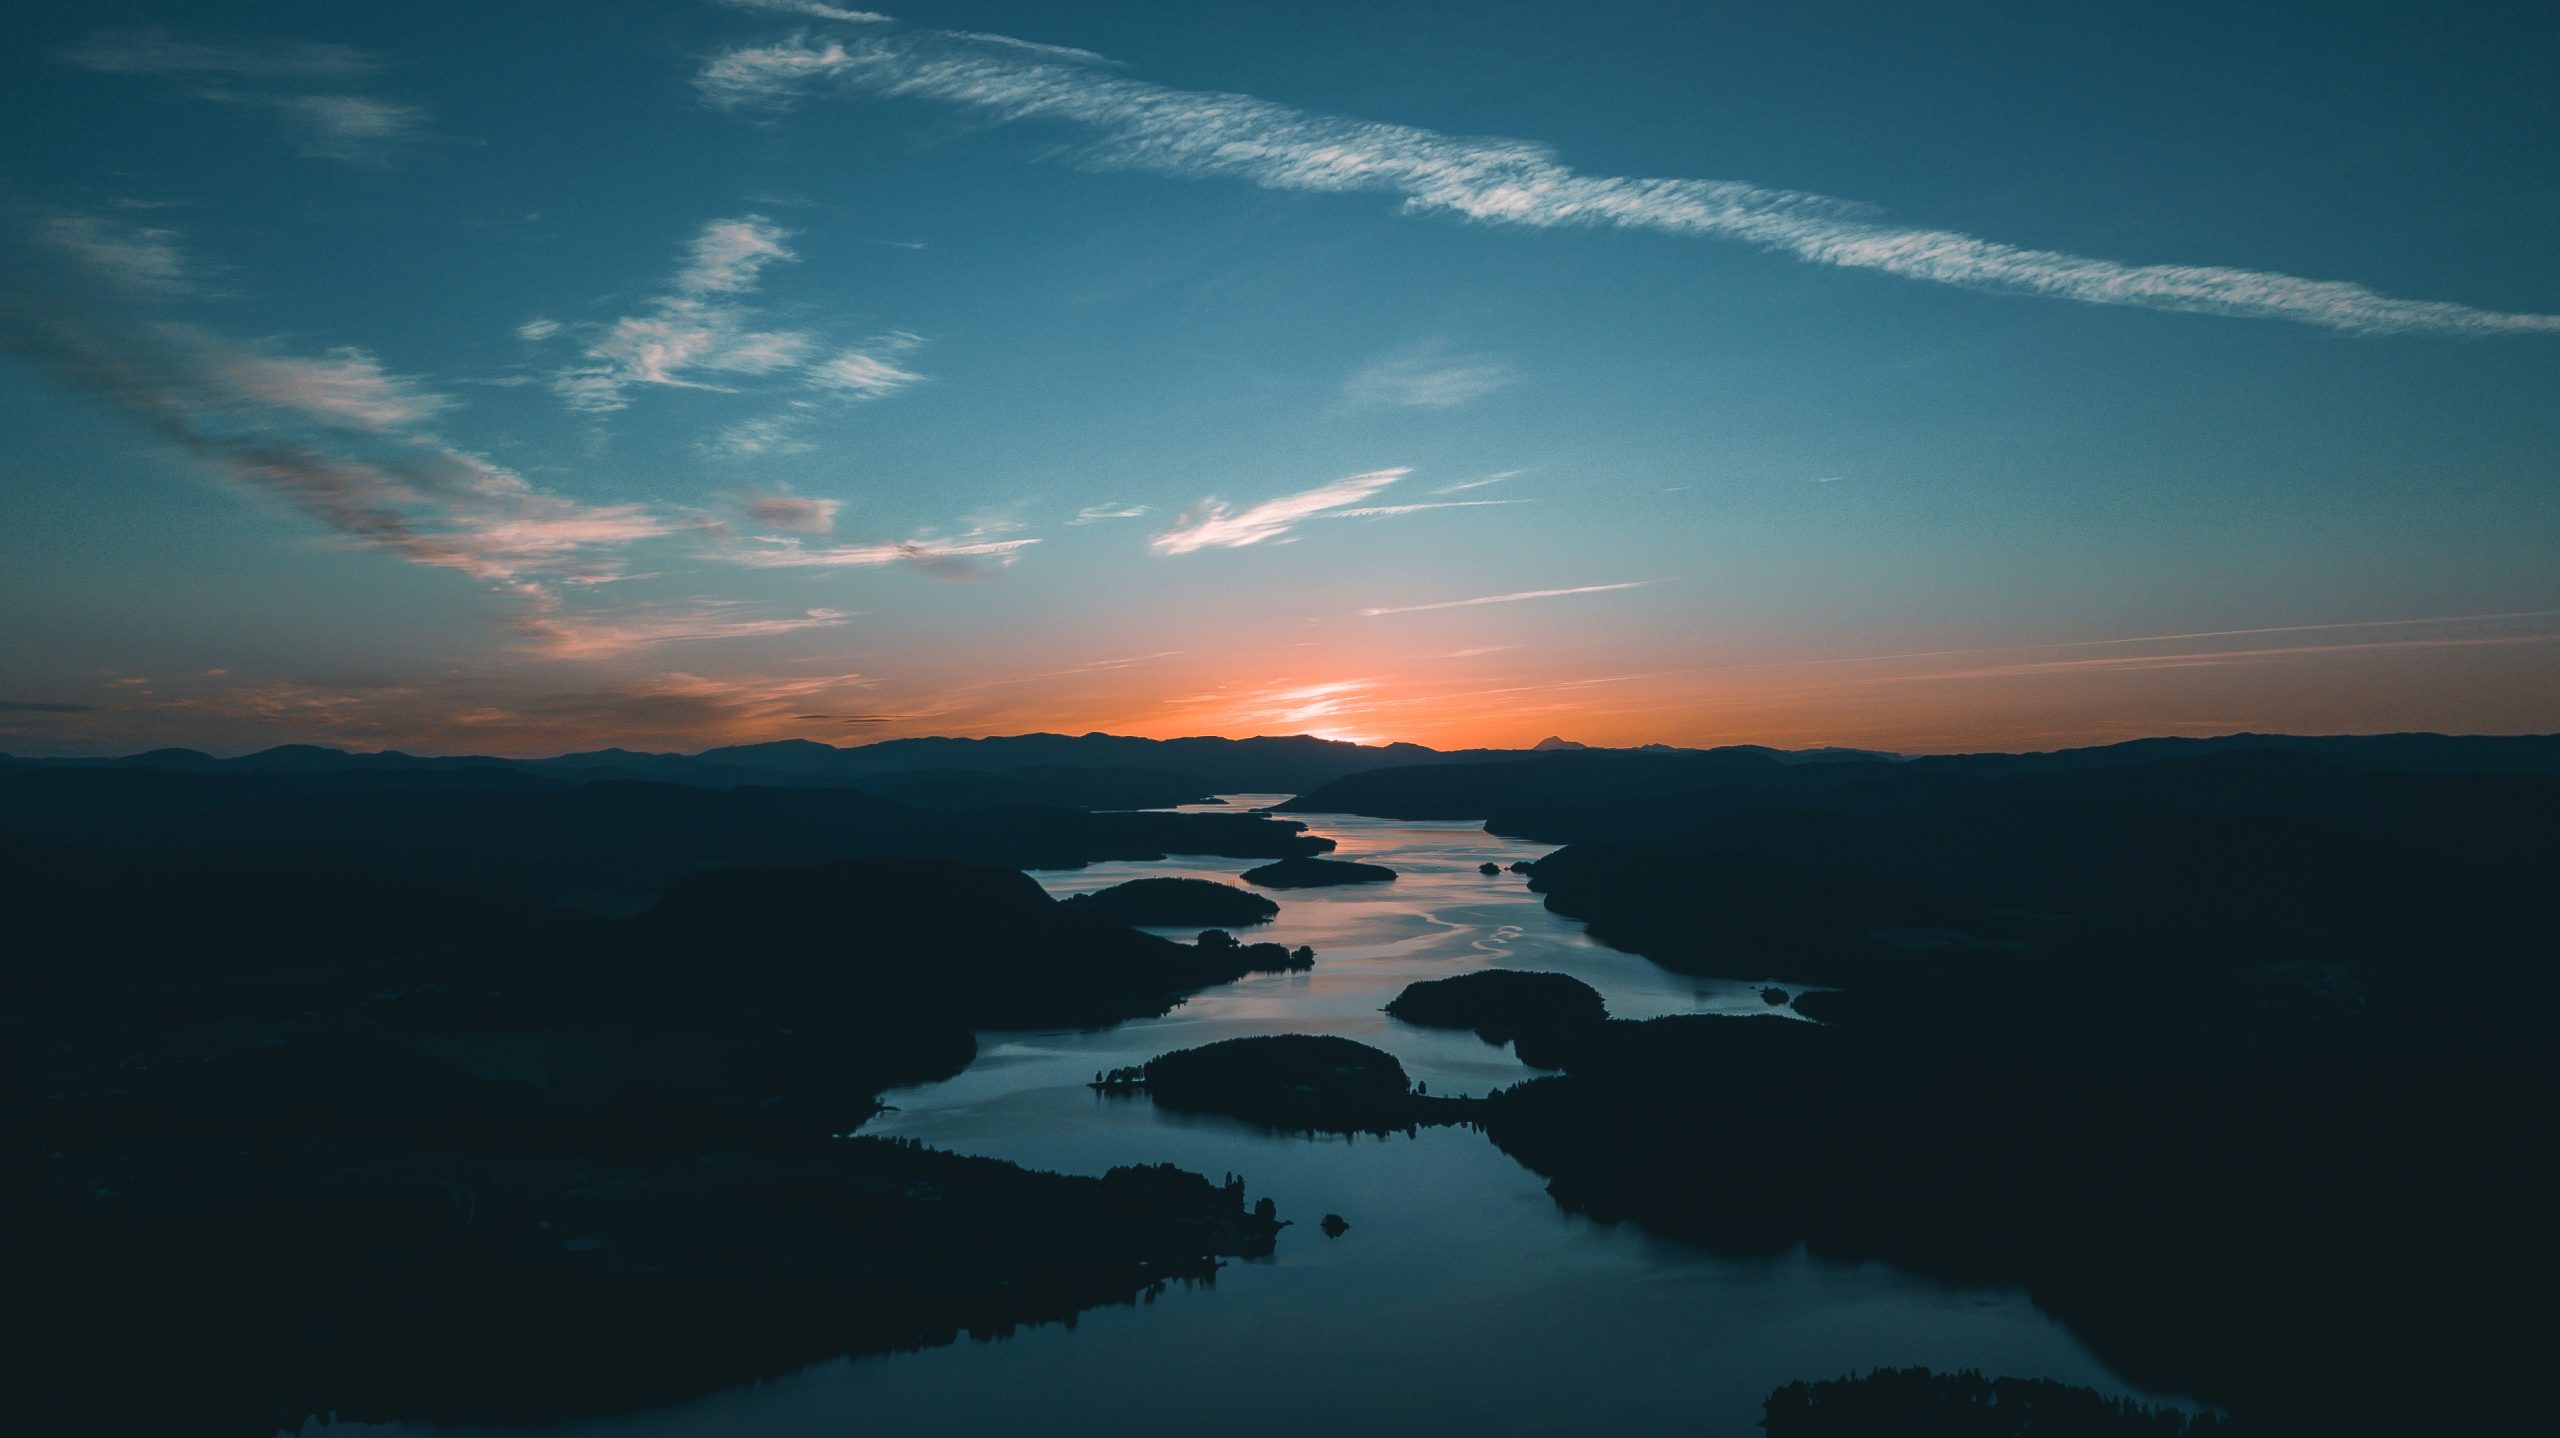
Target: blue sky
[517, 378]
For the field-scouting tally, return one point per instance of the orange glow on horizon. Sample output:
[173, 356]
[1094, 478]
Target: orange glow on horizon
[2495, 673]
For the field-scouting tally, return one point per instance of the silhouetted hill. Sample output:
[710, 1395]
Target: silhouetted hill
[1087, 770]
[2402, 753]
[1574, 776]
[1260, 765]
[1560, 797]
[507, 828]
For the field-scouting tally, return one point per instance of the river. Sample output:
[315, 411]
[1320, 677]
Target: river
[1461, 1300]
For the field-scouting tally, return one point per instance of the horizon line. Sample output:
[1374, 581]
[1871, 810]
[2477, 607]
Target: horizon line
[7, 757]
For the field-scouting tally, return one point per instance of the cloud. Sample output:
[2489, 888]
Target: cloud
[865, 375]
[282, 426]
[1098, 513]
[602, 637]
[492, 711]
[1210, 524]
[274, 76]
[1505, 598]
[699, 335]
[158, 52]
[1288, 706]
[690, 330]
[811, 9]
[146, 261]
[41, 706]
[1427, 379]
[1462, 486]
[730, 255]
[349, 389]
[1204, 134]
[779, 509]
[337, 127]
[2208, 658]
[763, 435]
[2510, 616]
[1069, 53]
[1385, 511]
[965, 558]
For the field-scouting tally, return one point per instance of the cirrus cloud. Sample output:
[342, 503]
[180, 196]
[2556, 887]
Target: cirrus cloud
[1139, 125]
[1212, 524]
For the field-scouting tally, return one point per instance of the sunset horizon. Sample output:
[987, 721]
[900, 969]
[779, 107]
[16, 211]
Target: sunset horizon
[954, 380]
[1122, 717]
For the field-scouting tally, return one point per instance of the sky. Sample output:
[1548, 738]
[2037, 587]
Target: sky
[525, 378]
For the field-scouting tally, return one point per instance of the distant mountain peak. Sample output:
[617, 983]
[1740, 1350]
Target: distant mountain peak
[1552, 742]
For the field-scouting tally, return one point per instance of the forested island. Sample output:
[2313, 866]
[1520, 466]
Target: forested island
[1311, 873]
[1177, 903]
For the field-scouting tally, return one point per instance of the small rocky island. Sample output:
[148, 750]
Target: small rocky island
[1170, 902]
[1543, 1014]
[1307, 873]
[1255, 958]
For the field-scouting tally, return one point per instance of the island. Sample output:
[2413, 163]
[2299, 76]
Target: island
[1304, 872]
[1543, 1014]
[1303, 1083]
[1246, 958]
[1170, 902]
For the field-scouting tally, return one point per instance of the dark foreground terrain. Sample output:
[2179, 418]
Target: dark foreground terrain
[330, 1114]
[2235, 1054]
[1916, 1403]
[447, 1090]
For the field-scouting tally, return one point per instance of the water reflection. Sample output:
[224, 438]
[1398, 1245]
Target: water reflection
[1461, 1299]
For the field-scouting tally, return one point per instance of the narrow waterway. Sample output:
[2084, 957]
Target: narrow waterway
[1461, 1300]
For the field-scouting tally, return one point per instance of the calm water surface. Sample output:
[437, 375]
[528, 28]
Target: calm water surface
[1461, 1299]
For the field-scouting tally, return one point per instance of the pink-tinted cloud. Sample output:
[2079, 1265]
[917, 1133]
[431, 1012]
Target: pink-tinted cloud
[1212, 524]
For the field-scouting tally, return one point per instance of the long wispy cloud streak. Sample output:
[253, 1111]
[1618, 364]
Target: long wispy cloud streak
[1524, 594]
[2338, 624]
[965, 558]
[1207, 134]
[1211, 524]
[160, 52]
[2209, 658]
[812, 10]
